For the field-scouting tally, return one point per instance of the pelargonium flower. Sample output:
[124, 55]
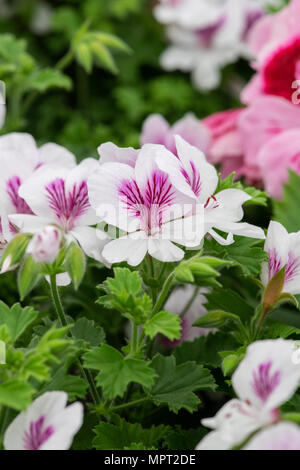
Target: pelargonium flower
[20, 158]
[156, 130]
[269, 117]
[281, 436]
[265, 379]
[59, 197]
[226, 144]
[283, 249]
[196, 178]
[180, 303]
[47, 424]
[275, 43]
[45, 245]
[143, 202]
[205, 36]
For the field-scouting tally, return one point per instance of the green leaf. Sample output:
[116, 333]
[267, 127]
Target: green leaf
[286, 211]
[113, 41]
[184, 439]
[123, 435]
[229, 301]
[229, 363]
[258, 197]
[176, 384]
[117, 371]
[165, 323]
[29, 275]
[14, 252]
[88, 331]
[16, 394]
[206, 349]
[73, 385]
[16, 318]
[45, 79]
[75, 264]
[84, 56]
[104, 56]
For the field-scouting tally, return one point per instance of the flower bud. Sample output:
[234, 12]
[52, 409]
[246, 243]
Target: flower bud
[45, 245]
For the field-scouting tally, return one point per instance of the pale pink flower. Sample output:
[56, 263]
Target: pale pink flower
[156, 130]
[47, 424]
[275, 43]
[265, 379]
[283, 249]
[281, 436]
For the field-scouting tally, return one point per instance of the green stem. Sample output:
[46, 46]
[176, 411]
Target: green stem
[65, 60]
[134, 338]
[64, 322]
[164, 294]
[263, 315]
[129, 404]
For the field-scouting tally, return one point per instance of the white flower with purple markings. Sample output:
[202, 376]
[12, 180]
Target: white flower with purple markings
[146, 206]
[265, 379]
[283, 250]
[59, 197]
[45, 245]
[20, 158]
[47, 424]
[196, 178]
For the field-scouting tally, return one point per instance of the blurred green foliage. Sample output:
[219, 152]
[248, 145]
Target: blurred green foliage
[101, 106]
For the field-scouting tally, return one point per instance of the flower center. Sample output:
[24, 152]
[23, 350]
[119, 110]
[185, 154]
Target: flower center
[264, 382]
[37, 434]
[68, 206]
[147, 204]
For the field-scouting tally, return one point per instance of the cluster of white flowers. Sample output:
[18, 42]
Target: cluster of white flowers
[154, 197]
[206, 35]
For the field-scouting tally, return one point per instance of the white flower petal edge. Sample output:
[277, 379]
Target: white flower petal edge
[281, 436]
[47, 424]
[265, 379]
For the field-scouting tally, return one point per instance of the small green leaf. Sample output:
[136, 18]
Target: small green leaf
[84, 56]
[88, 331]
[104, 56]
[29, 275]
[16, 394]
[110, 40]
[215, 319]
[117, 371]
[14, 252]
[165, 323]
[176, 384]
[16, 318]
[45, 79]
[75, 264]
[229, 363]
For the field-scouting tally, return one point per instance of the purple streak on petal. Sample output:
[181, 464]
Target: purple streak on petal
[12, 189]
[292, 267]
[251, 18]
[37, 434]
[148, 203]
[194, 181]
[275, 263]
[264, 383]
[207, 35]
[68, 206]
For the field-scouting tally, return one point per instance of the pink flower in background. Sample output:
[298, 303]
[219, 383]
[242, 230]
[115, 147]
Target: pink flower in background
[226, 146]
[267, 151]
[156, 130]
[265, 379]
[177, 304]
[275, 43]
[281, 436]
[47, 424]
[283, 249]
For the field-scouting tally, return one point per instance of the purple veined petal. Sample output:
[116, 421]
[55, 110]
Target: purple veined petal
[12, 188]
[37, 434]
[277, 247]
[155, 130]
[47, 424]
[267, 377]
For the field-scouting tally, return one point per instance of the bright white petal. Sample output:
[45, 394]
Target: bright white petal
[56, 155]
[109, 152]
[129, 249]
[281, 436]
[164, 250]
[91, 244]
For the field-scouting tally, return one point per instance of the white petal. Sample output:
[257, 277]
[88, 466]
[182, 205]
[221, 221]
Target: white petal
[109, 152]
[164, 250]
[29, 223]
[230, 202]
[213, 441]
[56, 155]
[129, 249]
[91, 244]
[281, 436]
